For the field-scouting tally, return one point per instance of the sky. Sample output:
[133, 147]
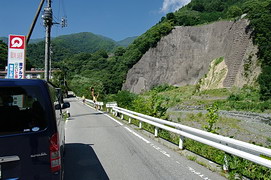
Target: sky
[116, 19]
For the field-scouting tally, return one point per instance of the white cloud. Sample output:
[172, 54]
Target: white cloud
[173, 5]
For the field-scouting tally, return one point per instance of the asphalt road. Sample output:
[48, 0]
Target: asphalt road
[98, 147]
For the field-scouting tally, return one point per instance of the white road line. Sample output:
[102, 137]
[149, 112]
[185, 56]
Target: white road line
[113, 119]
[105, 115]
[148, 142]
[198, 173]
[160, 150]
[140, 137]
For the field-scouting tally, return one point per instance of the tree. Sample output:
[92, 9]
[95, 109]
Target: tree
[212, 116]
[265, 83]
[198, 6]
[234, 11]
[3, 55]
[119, 51]
[215, 5]
[171, 17]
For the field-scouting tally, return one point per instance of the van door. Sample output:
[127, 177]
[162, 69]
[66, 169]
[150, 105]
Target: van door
[26, 128]
[57, 99]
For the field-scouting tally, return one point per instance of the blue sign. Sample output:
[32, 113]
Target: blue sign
[20, 70]
[10, 71]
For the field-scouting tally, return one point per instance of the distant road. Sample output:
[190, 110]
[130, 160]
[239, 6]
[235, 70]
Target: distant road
[98, 147]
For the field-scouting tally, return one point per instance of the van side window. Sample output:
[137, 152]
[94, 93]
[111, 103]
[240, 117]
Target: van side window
[22, 110]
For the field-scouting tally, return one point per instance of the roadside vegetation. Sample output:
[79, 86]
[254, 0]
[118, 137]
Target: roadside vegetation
[157, 101]
[188, 97]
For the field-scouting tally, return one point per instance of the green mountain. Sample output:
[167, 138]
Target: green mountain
[84, 42]
[37, 40]
[67, 45]
[127, 41]
[4, 39]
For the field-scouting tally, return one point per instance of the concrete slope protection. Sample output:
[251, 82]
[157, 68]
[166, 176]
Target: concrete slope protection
[184, 56]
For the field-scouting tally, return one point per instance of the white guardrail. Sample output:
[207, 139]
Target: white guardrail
[242, 149]
[98, 104]
[235, 147]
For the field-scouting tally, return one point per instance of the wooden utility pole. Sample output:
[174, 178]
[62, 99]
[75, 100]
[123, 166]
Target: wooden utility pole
[48, 22]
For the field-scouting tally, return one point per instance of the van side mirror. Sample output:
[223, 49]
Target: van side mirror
[66, 105]
[57, 106]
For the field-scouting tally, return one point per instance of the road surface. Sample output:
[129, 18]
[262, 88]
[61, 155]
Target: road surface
[99, 147]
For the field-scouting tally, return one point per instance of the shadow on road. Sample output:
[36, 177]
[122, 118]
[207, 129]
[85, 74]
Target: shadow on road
[86, 114]
[81, 163]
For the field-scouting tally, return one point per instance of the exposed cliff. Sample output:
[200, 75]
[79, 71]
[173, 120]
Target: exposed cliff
[184, 57]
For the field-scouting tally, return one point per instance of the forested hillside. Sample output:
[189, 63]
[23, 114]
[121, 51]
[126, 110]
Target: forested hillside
[127, 41]
[67, 45]
[4, 39]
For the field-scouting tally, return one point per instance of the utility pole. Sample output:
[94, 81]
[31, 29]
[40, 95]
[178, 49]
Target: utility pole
[34, 21]
[48, 22]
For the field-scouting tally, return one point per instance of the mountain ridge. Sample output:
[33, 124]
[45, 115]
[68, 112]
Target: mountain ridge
[124, 42]
[67, 45]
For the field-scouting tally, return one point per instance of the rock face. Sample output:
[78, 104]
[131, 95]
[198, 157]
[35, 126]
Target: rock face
[183, 57]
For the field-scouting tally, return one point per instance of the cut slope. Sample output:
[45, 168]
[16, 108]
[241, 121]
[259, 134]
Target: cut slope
[183, 57]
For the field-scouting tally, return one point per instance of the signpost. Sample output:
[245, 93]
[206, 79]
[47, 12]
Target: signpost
[16, 57]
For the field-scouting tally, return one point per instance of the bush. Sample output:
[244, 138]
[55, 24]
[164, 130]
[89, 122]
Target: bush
[163, 87]
[80, 86]
[125, 99]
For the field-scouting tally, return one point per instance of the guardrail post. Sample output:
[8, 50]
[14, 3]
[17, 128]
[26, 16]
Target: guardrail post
[121, 117]
[129, 121]
[156, 131]
[140, 124]
[226, 163]
[181, 142]
[115, 113]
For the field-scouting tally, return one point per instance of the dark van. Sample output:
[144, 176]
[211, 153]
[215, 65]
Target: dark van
[31, 130]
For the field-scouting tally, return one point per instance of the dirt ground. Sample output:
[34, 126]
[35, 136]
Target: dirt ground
[244, 126]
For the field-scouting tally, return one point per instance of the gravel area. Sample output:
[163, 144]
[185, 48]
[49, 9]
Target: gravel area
[245, 126]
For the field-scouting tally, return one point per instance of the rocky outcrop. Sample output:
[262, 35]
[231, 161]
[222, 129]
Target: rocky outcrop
[183, 57]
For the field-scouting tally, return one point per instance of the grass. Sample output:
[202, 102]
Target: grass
[192, 158]
[218, 61]
[236, 99]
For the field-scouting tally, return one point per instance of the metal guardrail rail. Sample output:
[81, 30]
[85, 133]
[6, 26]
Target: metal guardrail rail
[98, 104]
[232, 146]
[235, 147]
